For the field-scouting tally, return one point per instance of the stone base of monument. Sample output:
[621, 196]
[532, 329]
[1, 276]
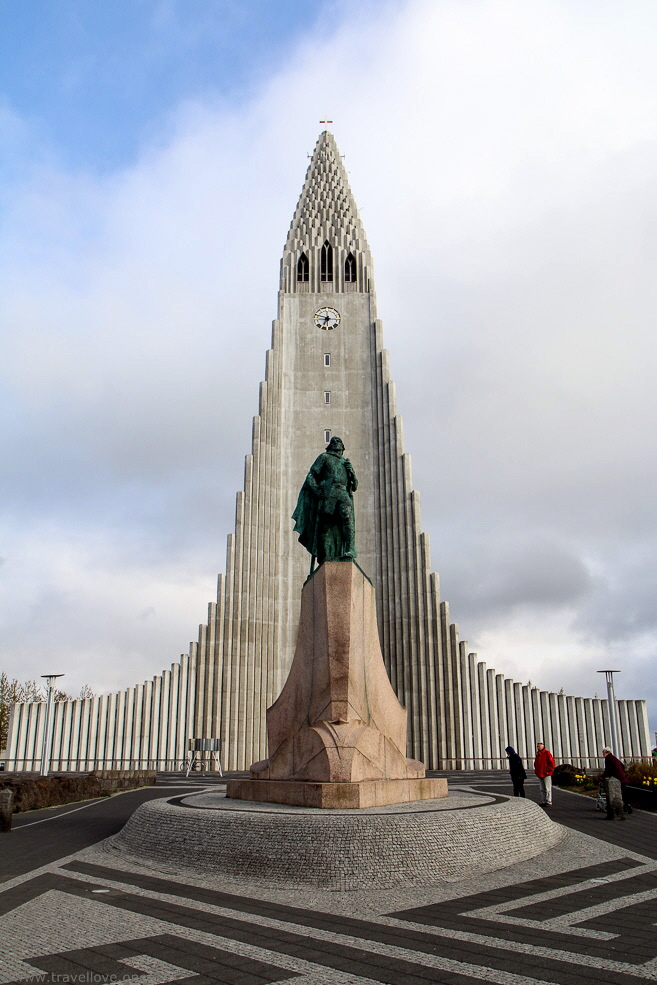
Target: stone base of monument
[414, 844]
[366, 793]
[337, 732]
[338, 804]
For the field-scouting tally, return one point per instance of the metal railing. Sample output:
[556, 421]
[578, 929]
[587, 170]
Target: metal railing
[210, 764]
[87, 765]
[476, 763]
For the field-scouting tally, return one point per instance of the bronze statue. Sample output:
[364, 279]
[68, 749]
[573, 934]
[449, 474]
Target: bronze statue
[324, 516]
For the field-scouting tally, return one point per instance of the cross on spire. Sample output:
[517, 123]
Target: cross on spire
[326, 121]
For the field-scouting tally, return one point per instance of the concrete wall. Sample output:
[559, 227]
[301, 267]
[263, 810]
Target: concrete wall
[148, 726]
[144, 727]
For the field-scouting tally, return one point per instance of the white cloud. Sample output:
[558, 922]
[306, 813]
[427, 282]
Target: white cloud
[503, 155]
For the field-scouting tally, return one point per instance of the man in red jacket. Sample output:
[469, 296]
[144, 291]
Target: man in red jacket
[544, 768]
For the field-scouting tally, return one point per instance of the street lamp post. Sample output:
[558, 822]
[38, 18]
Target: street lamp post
[611, 702]
[47, 737]
[7, 705]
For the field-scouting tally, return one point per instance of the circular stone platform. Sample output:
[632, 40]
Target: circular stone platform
[275, 845]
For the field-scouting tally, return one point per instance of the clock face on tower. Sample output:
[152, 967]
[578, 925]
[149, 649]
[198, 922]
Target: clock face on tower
[327, 318]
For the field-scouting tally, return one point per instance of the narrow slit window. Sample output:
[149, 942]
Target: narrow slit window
[327, 396]
[350, 270]
[302, 268]
[327, 435]
[327, 358]
[326, 262]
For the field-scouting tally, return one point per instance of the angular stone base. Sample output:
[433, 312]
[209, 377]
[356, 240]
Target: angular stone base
[344, 796]
[337, 719]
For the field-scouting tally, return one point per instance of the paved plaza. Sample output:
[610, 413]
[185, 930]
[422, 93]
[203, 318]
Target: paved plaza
[73, 911]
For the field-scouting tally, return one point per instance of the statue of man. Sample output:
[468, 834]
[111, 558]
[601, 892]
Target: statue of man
[324, 516]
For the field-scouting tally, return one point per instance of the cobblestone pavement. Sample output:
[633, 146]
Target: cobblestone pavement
[582, 912]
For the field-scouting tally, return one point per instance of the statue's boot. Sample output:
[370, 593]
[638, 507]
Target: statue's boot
[350, 538]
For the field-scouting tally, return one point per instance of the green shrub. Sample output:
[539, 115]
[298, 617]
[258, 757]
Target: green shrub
[564, 775]
[567, 775]
[642, 774]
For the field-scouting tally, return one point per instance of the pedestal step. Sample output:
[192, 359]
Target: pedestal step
[365, 793]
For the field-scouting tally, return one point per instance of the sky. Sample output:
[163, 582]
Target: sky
[503, 156]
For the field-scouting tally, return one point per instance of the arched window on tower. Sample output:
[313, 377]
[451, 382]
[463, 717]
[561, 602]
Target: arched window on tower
[326, 262]
[350, 270]
[302, 268]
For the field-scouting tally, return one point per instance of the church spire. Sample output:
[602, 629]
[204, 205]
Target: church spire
[324, 377]
[326, 249]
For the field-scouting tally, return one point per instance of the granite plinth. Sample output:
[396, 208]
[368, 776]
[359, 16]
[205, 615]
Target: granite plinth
[337, 719]
[345, 796]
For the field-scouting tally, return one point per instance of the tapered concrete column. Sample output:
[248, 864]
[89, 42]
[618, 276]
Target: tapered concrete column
[530, 731]
[598, 723]
[493, 726]
[624, 735]
[573, 745]
[537, 718]
[484, 712]
[546, 719]
[521, 729]
[645, 745]
[555, 725]
[512, 728]
[466, 711]
[475, 704]
[589, 725]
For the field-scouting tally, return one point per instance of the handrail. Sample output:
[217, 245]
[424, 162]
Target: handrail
[455, 764]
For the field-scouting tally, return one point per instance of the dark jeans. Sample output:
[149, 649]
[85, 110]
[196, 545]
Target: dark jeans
[518, 787]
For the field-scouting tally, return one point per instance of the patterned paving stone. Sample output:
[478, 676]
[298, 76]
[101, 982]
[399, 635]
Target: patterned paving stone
[583, 913]
[39, 838]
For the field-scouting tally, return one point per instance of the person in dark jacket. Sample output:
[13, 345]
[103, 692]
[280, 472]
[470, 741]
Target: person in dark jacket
[517, 771]
[614, 770]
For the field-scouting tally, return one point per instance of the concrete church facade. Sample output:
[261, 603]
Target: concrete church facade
[327, 373]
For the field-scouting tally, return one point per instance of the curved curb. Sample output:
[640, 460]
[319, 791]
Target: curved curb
[339, 850]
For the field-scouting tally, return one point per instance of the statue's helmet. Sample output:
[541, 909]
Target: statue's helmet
[335, 442]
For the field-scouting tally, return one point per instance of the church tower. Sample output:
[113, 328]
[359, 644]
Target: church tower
[326, 374]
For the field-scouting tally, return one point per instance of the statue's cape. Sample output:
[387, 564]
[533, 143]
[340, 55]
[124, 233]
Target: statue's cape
[323, 494]
[305, 518]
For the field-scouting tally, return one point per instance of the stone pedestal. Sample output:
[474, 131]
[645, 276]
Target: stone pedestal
[337, 732]
[339, 796]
